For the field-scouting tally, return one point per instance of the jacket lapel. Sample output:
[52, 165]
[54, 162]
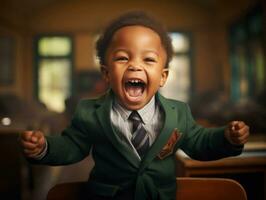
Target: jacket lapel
[170, 124]
[103, 114]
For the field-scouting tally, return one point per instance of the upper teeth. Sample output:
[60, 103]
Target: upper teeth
[135, 81]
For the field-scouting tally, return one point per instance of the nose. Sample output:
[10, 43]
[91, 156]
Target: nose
[134, 66]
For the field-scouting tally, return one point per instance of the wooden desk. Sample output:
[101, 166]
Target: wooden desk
[247, 162]
[249, 169]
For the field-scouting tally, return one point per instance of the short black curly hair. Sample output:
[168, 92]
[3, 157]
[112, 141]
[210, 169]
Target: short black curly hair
[130, 19]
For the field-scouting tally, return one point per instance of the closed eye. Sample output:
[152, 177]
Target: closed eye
[149, 60]
[121, 58]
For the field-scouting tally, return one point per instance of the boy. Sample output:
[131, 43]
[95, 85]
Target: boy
[133, 131]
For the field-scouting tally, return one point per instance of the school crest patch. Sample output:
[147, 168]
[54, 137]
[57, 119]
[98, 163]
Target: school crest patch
[169, 146]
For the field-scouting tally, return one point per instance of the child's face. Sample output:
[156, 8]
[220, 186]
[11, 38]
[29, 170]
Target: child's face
[135, 62]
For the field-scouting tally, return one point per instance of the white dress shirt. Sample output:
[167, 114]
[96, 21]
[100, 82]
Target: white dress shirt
[151, 117]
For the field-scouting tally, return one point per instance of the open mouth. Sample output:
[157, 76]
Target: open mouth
[135, 87]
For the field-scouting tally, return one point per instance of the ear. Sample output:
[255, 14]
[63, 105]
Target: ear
[105, 73]
[164, 77]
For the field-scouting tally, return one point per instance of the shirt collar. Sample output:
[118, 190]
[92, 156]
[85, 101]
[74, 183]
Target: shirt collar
[146, 113]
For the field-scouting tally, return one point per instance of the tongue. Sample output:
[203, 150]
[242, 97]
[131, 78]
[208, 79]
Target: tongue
[134, 91]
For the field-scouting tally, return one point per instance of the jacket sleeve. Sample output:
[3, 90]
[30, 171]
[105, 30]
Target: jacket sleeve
[71, 146]
[206, 143]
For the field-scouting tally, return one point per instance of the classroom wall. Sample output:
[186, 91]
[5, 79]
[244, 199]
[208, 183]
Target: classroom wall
[85, 19]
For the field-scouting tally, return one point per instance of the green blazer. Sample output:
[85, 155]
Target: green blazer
[117, 167]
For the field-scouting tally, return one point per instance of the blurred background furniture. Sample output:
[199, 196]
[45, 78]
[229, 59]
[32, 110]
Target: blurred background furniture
[19, 179]
[13, 178]
[249, 169]
[22, 114]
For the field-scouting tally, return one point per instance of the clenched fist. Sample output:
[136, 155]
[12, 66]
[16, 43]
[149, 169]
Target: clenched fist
[33, 143]
[237, 133]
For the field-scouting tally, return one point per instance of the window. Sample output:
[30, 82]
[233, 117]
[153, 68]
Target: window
[247, 56]
[53, 71]
[178, 85]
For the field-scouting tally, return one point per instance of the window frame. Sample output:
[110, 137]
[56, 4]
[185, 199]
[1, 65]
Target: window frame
[38, 57]
[234, 43]
[190, 54]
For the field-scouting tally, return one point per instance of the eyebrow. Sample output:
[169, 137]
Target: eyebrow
[152, 51]
[120, 49]
[145, 51]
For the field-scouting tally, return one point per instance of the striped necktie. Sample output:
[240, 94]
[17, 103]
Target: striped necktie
[140, 139]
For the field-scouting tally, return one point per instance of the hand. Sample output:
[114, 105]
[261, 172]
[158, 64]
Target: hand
[32, 142]
[237, 132]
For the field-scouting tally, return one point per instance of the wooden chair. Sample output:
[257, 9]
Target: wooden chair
[209, 189]
[187, 189]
